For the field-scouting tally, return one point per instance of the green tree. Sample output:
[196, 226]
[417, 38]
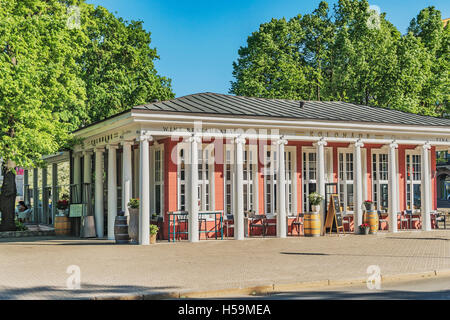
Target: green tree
[117, 64]
[41, 96]
[61, 71]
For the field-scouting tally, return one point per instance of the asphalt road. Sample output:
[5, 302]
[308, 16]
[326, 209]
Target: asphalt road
[424, 289]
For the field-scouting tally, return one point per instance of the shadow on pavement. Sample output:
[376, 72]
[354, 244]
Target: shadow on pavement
[86, 291]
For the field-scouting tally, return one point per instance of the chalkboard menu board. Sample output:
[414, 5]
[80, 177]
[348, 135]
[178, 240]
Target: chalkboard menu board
[334, 215]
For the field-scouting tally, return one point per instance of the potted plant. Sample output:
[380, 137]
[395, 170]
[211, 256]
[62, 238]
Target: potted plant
[153, 232]
[315, 199]
[364, 228]
[62, 205]
[368, 204]
[133, 224]
[154, 216]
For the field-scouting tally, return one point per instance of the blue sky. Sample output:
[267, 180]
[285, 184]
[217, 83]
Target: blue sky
[197, 41]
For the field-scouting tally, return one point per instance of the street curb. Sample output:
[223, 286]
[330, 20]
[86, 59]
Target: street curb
[276, 288]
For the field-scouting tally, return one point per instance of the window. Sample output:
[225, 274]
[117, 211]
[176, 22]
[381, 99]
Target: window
[205, 181]
[158, 179]
[346, 179]
[380, 176]
[250, 171]
[413, 180]
[271, 183]
[309, 176]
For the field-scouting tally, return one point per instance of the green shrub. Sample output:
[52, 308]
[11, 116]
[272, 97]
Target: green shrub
[153, 229]
[134, 203]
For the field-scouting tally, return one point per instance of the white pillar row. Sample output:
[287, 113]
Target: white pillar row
[99, 210]
[55, 194]
[426, 188]
[393, 187]
[192, 190]
[144, 188]
[320, 172]
[44, 196]
[357, 185]
[36, 214]
[112, 189]
[281, 190]
[239, 227]
[87, 174]
[77, 177]
[127, 176]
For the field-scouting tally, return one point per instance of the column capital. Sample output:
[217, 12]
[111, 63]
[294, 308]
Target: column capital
[77, 154]
[112, 146]
[99, 150]
[359, 144]
[426, 146]
[87, 152]
[128, 143]
[320, 143]
[393, 145]
[239, 140]
[195, 138]
[145, 136]
[282, 141]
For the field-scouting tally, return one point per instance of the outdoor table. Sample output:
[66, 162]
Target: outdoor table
[177, 215]
[216, 226]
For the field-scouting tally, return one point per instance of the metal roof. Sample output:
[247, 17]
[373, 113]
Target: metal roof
[222, 104]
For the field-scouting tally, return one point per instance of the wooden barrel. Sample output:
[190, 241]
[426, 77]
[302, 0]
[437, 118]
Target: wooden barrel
[62, 226]
[121, 230]
[371, 218]
[312, 224]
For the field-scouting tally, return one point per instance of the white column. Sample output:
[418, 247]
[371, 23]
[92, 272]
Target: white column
[426, 188]
[112, 189]
[99, 221]
[36, 215]
[320, 172]
[393, 187]
[357, 186]
[239, 227]
[144, 189]
[192, 190]
[87, 174]
[44, 196]
[55, 194]
[127, 176]
[281, 190]
[77, 177]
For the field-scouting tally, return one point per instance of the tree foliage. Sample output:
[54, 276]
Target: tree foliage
[57, 76]
[351, 54]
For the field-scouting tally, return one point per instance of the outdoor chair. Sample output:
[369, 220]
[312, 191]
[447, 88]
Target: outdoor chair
[202, 222]
[182, 220]
[439, 217]
[268, 225]
[381, 219]
[297, 223]
[258, 222]
[403, 219]
[229, 223]
[409, 214]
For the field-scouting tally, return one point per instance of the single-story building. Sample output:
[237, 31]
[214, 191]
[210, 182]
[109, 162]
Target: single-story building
[358, 152]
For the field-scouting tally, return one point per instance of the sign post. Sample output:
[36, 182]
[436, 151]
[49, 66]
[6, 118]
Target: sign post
[334, 215]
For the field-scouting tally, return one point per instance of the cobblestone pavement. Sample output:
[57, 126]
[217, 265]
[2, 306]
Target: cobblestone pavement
[35, 268]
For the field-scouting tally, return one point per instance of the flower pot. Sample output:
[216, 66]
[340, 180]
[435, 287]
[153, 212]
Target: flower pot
[369, 206]
[61, 212]
[366, 230]
[152, 238]
[315, 208]
[133, 224]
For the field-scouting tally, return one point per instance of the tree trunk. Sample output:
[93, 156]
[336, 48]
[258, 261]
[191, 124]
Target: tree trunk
[8, 201]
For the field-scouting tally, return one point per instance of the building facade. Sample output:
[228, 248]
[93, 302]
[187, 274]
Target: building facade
[212, 152]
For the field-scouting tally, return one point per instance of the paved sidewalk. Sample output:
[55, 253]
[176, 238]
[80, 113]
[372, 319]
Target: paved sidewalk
[36, 268]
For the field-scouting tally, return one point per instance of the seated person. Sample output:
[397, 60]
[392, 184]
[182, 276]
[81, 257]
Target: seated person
[22, 211]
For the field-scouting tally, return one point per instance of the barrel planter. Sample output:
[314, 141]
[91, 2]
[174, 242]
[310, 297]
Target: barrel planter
[121, 230]
[62, 226]
[312, 224]
[371, 219]
[133, 227]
